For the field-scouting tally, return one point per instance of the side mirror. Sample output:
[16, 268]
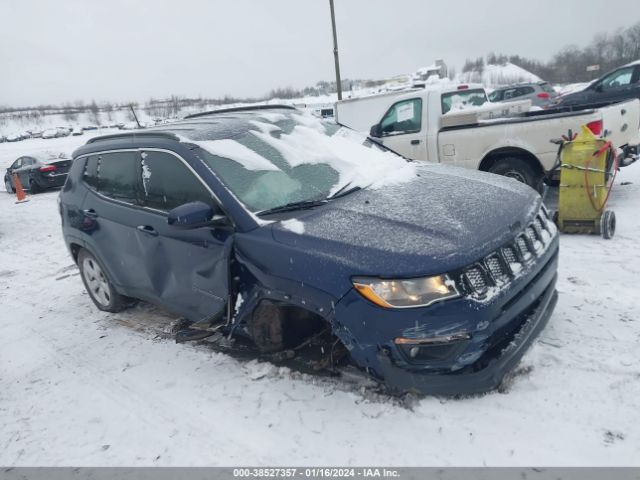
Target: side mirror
[376, 131]
[194, 215]
[598, 88]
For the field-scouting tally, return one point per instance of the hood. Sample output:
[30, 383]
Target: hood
[446, 218]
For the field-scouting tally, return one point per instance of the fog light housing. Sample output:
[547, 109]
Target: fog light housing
[433, 349]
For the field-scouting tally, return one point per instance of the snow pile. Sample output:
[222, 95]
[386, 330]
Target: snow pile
[496, 75]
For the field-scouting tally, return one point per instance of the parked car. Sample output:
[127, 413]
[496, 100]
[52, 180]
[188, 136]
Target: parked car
[541, 94]
[38, 172]
[77, 131]
[273, 225]
[63, 131]
[50, 133]
[455, 126]
[15, 137]
[618, 85]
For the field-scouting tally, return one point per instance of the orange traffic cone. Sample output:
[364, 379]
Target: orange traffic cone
[22, 197]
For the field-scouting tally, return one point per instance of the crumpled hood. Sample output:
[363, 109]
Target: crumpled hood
[446, 218]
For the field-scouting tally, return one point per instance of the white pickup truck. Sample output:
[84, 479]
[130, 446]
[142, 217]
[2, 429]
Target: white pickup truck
[459, 126]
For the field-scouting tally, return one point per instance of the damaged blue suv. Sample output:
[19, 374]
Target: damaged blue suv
[271, 225]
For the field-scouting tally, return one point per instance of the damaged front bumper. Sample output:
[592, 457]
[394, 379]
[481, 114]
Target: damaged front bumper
[455, 347]
[483, 375]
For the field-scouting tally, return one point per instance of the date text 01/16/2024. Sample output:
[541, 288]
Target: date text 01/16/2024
[315, 473]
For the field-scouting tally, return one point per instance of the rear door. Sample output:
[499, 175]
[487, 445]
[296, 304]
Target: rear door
[402, 129]
[111, 212]
[187, 268]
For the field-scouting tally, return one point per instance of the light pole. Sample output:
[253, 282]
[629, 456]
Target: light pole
[335, 50]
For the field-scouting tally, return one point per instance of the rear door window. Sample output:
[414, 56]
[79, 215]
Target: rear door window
[118, 176]
[167, 182]
[462, 99]
[90, 174]
[403, 117]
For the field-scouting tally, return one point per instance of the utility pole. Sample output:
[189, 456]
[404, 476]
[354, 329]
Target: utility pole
[335, 50]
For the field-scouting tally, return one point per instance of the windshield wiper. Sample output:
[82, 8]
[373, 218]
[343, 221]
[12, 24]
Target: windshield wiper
[344, 190]
[293, 206]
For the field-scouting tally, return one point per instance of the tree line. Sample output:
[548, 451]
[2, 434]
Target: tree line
[569, 64]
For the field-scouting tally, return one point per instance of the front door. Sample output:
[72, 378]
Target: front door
[187, 268]
[402, 129]
[619, 85]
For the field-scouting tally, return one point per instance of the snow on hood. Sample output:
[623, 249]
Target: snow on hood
[446, 218]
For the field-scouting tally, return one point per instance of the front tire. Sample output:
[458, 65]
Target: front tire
[99, 287]
[519, 169]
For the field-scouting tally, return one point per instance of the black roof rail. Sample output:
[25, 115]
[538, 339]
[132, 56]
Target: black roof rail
[239, 109]
[134, 133]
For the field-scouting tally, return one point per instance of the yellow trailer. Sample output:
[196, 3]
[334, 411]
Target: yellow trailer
[586, 163]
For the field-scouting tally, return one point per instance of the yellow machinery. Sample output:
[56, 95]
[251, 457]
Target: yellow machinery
[586, 162]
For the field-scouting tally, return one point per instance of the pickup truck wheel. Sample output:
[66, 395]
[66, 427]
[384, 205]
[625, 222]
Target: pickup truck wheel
[519, 169]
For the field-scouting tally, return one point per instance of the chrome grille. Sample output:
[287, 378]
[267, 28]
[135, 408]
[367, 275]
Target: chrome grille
[510, 255]
[523, 247]
[477, 281]
[495, 267]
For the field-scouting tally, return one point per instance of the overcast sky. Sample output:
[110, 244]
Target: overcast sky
[53, 51]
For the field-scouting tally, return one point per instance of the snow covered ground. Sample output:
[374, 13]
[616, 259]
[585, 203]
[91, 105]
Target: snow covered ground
[83, 387]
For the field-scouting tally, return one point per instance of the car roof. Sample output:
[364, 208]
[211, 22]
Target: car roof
[213, 125]
[524, 84]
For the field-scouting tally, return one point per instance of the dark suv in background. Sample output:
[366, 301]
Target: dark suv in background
[273, 225]
[621, 84]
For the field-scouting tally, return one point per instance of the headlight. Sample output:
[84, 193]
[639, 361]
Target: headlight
[412, 292]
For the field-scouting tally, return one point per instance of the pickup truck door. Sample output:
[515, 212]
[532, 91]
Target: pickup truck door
[403, 131]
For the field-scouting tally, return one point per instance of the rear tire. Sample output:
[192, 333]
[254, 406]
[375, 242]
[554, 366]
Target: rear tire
[34, 187]
[608, 224]
[98, 285]
[519, 169]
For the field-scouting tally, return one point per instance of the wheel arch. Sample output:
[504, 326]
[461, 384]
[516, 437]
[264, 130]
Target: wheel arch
[505, 152]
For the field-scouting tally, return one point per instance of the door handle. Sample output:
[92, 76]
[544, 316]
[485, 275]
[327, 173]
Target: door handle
[91, 213]
[148, 230]
[415, 142]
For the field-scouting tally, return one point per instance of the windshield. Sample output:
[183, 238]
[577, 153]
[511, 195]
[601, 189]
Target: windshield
[272, 159]
[462, 99]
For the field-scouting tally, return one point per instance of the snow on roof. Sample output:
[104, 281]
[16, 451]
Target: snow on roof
[430, 68]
